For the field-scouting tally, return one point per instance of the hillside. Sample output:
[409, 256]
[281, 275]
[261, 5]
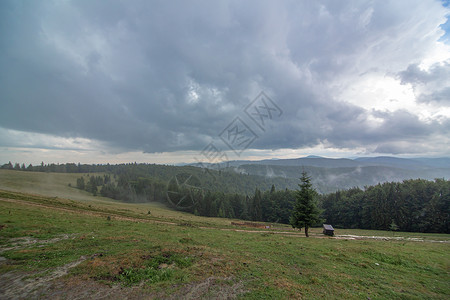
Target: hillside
[89, 249]
[243, 177]
[212, 180]
[55, 186]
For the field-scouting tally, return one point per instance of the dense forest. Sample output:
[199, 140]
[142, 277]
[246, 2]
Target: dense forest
[212, 180]
[413, 205]
[271, 206]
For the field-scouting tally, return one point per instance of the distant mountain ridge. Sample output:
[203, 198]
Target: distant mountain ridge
[318, 161]
[409, 163]
[331, 174]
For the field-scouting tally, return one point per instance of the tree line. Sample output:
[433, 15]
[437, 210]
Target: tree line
[128, 189]
[412, 205]
[415, 205]
[228, 182]
[271, 206]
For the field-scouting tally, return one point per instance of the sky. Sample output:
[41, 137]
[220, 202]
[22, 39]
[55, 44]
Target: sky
[184, 81]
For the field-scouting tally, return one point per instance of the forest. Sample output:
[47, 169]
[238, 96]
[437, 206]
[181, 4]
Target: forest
[212, 180]
[415, 205]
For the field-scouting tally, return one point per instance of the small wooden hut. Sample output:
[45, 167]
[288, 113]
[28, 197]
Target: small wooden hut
[328, 229]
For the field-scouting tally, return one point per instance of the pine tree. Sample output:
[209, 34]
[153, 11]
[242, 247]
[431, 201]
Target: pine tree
[256, 207]
[305, 213]
[80, 183]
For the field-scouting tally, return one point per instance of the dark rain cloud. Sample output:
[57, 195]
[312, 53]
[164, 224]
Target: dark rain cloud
[165, 76]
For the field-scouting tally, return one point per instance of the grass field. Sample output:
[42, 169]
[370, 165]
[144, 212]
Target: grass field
[55, 245]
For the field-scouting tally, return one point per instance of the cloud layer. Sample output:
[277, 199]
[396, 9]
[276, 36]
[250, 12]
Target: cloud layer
[158, 76]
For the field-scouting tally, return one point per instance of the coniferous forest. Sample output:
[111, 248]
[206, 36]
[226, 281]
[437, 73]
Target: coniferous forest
[412, 205]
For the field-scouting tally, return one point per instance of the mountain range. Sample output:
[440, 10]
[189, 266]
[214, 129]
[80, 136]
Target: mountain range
[331, 174]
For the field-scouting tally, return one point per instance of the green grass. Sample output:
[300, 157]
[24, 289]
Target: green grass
[164, 258]
[56, 185]
[47, 184]
[155, 268]
[269, 265]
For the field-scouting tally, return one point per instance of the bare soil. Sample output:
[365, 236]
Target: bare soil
[55, 285]
[26, 285]
[26, 241]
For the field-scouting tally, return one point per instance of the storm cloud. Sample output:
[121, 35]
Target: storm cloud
[163, 76]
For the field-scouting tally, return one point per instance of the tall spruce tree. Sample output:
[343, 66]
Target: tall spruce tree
[305, 213]
[256, 207]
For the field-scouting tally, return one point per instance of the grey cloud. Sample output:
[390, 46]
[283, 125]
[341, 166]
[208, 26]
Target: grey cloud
[442, 96]
[164, 76]
[430, 86]
[401, 148]
[413, 74]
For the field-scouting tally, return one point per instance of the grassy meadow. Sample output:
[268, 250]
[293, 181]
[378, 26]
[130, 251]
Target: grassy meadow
[148, 251]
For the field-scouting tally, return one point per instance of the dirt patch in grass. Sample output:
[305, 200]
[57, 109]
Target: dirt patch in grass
[211, 288]
[26, 241]
[385, 238]
[78, 288]
[27, 285]
[53, 284]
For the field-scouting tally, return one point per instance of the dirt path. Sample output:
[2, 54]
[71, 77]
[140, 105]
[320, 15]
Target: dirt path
[385, 238]
[86, 212]
[135, 219]
[285, 233]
